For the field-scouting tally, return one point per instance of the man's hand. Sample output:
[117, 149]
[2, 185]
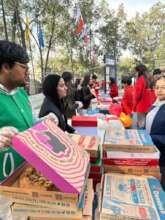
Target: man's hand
[6, 135]
[52, 117]
[79, 104]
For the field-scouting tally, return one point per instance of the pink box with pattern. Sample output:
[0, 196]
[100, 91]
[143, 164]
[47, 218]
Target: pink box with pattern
[52, 152]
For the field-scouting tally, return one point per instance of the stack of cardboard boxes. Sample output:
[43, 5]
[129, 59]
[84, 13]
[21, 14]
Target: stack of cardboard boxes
[129, 197]
[130, 152]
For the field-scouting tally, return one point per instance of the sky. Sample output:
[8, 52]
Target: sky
[133, 6]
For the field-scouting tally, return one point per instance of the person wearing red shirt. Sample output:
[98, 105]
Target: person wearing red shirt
[127, 100]
[142, 99]
[113, 92]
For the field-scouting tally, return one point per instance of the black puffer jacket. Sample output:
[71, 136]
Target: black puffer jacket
[49, 106]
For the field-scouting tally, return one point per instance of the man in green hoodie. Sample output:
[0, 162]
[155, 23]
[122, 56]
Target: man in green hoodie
[15, 109]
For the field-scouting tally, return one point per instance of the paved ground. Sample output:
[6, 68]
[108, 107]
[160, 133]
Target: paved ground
[36, 101]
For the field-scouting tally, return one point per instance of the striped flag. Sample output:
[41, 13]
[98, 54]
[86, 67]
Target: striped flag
[41, 38]
[27, 30]
[77, 13]
[80, 24]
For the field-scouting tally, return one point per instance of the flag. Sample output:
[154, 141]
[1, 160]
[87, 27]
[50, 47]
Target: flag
[41, 38]
[80, 25]
[77, 13]
[27, 30]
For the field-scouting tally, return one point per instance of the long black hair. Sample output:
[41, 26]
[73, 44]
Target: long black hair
[77, 83]
[86, 80]
[50, 90]
[112, 81]
[142, 71]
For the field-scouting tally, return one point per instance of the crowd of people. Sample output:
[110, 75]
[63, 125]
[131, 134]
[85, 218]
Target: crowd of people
[63, 98]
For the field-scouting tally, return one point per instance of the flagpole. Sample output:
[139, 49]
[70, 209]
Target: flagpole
[31, 54]
[90, 47]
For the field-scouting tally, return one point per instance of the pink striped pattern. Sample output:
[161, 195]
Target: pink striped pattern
[69, 165]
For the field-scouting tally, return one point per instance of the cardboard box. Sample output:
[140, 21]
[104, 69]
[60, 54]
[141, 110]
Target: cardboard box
[40, 212]
[89, 196]
[131, 162]
[130, 155]
[129, 197]
[88, 143]
[38, 197]
[135, 170]
[128, 141]
[53, 153]
[86, 121]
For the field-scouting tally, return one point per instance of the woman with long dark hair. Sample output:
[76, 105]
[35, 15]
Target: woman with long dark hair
[55, 90]
[87, 94]
[142, 101]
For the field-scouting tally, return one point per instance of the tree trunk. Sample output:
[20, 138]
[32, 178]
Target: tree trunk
[71, 56]
[21, 29]
[14, 22]
[4, 20]
[41, 56]
[50, 44]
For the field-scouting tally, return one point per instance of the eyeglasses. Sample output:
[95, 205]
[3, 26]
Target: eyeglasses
[23, 66]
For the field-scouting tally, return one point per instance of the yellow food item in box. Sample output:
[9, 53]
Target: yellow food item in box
[33, 179]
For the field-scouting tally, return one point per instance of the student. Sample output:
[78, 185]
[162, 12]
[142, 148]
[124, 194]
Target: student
[155, 123]
[127, 100]
[15, 109]
[87, 94]
[71, 101]
[142, 101]
[55, 90]
[113, 92]
[78, 84]
[156, 75]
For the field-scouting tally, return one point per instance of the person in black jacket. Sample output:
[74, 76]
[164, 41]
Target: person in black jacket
[86, 93]
[155, 124]
[71, 101]
[55, 90]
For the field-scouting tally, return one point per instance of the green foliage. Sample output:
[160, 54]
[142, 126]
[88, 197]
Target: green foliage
[110, 31]
[145, 34]
[126, 66]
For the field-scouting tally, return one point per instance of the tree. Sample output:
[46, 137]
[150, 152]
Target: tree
[111, 33]
[145, 33]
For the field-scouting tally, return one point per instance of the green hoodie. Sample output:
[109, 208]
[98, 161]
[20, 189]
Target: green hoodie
[15, 110]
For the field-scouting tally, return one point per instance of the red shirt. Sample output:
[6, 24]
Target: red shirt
[142, 99]
[113, 90]
[127, 100]
[96, 87]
